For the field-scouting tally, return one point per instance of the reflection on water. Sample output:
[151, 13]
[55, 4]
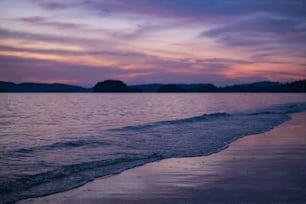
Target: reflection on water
[53, 142]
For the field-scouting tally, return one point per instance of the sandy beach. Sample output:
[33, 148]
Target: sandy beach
[265, 168]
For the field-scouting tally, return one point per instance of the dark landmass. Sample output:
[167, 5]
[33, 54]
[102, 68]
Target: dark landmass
[173, 88]
[115, 86]
[260, 87]
[39, 87]
[257, 87]
[147, 87]
[254, 87]
[297, 86]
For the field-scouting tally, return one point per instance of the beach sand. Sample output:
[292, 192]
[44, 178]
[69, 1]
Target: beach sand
[264, 168]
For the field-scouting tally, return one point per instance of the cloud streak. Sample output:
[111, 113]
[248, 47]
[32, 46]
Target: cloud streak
[259, 31]
[143, 41]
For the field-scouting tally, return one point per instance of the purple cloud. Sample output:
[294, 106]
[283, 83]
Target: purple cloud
[269, 30]
[50, 38]
[192, 8]
[25, 69]
[262, 33]
[53, 5]
[45, 22]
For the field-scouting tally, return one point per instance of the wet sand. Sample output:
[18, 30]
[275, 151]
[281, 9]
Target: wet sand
[264, 168]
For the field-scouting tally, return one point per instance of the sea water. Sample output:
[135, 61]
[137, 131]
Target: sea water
[54, 142]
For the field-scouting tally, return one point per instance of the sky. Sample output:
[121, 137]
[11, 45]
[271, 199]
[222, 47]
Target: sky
[222, 42]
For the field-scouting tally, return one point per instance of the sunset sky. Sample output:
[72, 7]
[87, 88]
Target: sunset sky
[152, 41]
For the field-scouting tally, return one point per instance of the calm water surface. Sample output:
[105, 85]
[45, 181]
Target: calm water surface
[54, 142]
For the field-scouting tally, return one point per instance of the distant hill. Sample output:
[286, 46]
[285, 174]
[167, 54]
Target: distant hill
[184, 87]
[265, 86]
[170, 88]
[112, 86]
[40, 87]
[203, 88]
[119, 86]
[147, 87]
[297, 86]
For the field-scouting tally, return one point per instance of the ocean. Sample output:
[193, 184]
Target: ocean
[52, 142]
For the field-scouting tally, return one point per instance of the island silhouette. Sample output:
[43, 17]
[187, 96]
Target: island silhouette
[117, 86]
[113, 86]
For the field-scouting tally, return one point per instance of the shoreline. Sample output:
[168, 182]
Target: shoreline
[265, 168]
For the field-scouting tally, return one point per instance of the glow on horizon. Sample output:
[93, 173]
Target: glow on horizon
[177, 41]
